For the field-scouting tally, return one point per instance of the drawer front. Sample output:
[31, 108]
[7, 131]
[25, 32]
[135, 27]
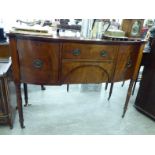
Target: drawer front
[88, 51]
[38, 61]
[85, 72]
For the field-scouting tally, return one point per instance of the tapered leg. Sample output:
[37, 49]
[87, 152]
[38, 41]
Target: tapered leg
[67, 87]
[25, 94]
[133, 90]
[106, 85]
[43, 87]
[111, 89]
[123, 83]
[10, 123]
[128, 97]
[19, 104]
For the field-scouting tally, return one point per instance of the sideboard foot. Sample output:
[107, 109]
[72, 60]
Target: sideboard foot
[67, 87]
[106, 86]
[111, 89]
[43, 87]
[123, 83]
[19, 104]
[25, 94]
[127, 98]
[22, 124]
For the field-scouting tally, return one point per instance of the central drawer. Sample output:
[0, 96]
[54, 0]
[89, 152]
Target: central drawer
[88, 51]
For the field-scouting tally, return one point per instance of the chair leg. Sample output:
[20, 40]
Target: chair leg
[43, 87]
[25, 94]
[67, 87]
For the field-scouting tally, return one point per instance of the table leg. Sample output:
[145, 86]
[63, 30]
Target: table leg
[135, 81]
[106, 86]
[25, 94]
[123, 83]
[128, 97]
[67, 87]
[111, 89]
[43, 87]
[19, 104]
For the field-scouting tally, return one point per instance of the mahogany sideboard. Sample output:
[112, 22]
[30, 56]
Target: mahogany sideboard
[56, 60]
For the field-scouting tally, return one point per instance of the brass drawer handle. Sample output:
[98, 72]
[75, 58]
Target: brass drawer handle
[104, 53]
[37, 63]
[76, 52]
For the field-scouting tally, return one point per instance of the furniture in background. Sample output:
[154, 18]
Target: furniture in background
[145, 101]
[7, 95]
[60, 60]
[4, 50]
[132, 27]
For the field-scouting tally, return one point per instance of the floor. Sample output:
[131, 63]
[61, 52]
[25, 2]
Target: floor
[81, 111]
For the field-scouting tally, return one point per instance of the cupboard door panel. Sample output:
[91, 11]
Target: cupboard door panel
[38, 61]
[85, 72]
[127, 58]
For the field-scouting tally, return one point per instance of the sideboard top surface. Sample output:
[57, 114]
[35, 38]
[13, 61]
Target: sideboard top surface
[57, 38]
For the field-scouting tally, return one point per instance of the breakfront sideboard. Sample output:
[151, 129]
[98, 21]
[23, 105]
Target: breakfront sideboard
[69, 60]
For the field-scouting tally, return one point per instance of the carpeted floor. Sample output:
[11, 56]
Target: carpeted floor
[80, 112]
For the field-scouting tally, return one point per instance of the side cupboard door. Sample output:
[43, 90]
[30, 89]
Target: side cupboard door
[39, 61]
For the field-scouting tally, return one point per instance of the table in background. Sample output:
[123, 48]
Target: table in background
[7, 95]
[4, 50]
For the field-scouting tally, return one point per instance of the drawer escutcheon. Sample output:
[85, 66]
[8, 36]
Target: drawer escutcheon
[129, 64]
[76, 52]
[104, 53]
[37, 63]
